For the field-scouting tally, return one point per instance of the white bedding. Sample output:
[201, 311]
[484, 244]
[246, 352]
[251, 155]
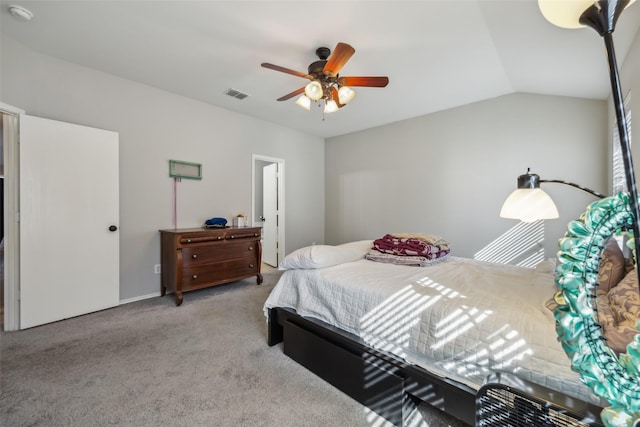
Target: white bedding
[460, 318]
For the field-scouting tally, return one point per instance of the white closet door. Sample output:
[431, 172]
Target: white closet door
[69, 257]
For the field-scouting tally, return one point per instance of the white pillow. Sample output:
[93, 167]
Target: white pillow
[319, 256]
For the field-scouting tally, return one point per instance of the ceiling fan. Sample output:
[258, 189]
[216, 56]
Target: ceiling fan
[326, 84]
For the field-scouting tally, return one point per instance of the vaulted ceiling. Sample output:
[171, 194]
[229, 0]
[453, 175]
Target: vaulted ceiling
[437, 54]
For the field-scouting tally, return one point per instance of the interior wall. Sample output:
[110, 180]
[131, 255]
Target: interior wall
[448, 173]
[154, 127]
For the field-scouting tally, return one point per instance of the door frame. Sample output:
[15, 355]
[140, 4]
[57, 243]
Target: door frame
[11, 218]
[255, 158]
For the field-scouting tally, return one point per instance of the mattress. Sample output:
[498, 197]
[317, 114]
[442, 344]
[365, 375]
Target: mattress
[461, 319]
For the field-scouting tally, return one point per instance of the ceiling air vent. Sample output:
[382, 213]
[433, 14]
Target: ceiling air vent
[236, 94]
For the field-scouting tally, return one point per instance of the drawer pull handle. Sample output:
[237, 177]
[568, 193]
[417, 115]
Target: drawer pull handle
[233, 237]
[219, 237]
[188, 240]
[194, 256]
[195, 276]
[250, 248]
[250, 265]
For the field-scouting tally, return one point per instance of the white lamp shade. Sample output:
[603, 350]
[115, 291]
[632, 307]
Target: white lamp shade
[304, 102]
[314, 90]
[345, 94]
[565, 13]
[330, 106]
[528, 205]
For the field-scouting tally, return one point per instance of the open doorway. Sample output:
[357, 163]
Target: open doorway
[9, 124]
[1, 221]
[267, 205]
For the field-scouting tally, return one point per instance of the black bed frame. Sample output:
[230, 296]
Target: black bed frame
[383, 382]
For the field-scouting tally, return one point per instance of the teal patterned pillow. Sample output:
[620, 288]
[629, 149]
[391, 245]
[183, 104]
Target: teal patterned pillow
[612, 266]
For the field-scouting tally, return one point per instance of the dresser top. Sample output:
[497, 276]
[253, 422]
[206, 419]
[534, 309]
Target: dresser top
[199, 229]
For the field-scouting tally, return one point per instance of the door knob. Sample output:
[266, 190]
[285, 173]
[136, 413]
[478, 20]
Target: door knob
[113, 228]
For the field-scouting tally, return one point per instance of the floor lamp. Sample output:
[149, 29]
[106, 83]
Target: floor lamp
[602, 16]
[611, 376]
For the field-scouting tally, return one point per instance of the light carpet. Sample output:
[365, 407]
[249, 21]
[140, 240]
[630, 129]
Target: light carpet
[150, 363]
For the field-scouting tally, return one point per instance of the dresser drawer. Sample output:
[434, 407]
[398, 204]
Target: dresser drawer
[226, 271]
[201, 237]
[193, 256]
[241, 233]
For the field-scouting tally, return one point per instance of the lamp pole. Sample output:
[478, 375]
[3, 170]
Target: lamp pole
[602, 17]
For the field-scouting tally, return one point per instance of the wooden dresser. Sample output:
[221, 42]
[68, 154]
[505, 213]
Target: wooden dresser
[196, 258]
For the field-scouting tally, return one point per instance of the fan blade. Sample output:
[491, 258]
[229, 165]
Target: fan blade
[337, 59]
[286, 70]
[364, 81]
[292, 94]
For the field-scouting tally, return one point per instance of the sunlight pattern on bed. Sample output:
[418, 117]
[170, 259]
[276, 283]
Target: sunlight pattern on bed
[460, 319]
[388, 325]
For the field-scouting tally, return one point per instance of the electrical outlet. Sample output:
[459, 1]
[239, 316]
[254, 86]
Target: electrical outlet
[156, 269]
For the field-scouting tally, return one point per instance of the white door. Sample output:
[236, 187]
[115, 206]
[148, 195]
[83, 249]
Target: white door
[270, 214]
[69, 256]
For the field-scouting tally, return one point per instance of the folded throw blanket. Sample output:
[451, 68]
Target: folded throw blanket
[394, 245]
[417, 261]
[432, 239]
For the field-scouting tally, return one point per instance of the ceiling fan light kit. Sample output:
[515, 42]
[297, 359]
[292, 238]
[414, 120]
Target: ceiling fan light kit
[304, 102]
[314, 90]
[345, 94]
[326, 84]
[330, 106]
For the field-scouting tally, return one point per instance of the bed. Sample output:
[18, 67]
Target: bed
[392, 335]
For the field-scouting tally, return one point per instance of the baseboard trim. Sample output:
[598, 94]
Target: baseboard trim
[140, 298]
